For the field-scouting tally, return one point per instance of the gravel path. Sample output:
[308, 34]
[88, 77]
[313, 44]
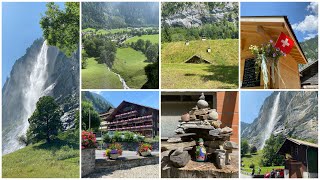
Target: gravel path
[149, 171]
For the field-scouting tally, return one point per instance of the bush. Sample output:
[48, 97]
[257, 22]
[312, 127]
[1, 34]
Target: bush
[88, 140]
[251, 165]
[253, 149]
[66, 152]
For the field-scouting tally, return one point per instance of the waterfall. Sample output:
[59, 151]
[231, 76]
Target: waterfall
[123, 82]
[272, 120]
[34, 89]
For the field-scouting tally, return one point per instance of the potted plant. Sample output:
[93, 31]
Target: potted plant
[144, 149]
[114, 151]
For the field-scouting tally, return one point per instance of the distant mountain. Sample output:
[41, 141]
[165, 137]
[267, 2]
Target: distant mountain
[310, 49]
[291, 113]
[244, 125]
[112, 15]
[195, 14]
[42, 71]
[100, 104]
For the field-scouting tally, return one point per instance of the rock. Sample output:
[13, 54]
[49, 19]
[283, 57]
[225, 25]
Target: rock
[230, 145]
[179, 131]
[202, 104]
[206, 122]
[216, 124]
[203, 117]
[185, 117]
[213, 144]
[174, 140]
[173, 146]
[181, 159]
[192, 117]
[220, 158]
[213, 115]
[194, 126]
[228, 158]
[226, 130]
[215, 132]
[177, 151]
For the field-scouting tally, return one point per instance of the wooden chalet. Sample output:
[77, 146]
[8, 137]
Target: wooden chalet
[257, 30]
[309, 76]
[132, 117]
[301, 158]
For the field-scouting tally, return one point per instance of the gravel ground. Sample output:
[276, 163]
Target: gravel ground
[149, 171]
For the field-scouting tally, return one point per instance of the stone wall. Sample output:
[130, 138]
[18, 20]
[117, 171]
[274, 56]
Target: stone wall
[112, 165]
[88, 160]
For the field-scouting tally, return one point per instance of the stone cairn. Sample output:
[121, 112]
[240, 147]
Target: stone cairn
[201, 122]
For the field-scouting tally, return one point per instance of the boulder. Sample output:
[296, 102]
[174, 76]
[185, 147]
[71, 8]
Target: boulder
[230, 145]
[215, 132]
[216, 124]
[174, 140]
[226, 130]
[180, 159]
[173, 146]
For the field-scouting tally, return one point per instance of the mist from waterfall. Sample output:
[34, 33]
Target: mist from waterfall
[32, 92]
[272, 120]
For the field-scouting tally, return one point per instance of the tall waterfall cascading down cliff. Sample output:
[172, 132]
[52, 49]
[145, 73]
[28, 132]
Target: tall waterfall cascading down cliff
[272, 120]
[42, 71]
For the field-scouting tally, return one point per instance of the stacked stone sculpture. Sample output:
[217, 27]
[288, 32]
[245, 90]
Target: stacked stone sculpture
[201, 122]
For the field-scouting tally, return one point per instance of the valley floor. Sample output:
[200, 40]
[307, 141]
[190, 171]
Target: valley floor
[198, 76]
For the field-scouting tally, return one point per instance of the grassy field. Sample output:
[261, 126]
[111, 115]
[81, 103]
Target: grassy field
[222, 73]
[248, 159]
[57, 160]
[97, 76]
[153, 38]
[130, 65]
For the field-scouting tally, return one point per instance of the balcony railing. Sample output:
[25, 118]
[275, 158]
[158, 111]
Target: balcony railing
[126, 114]
[131, 128]
[144, 118]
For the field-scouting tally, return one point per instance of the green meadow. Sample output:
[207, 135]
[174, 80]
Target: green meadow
[153, 38]
[130, 65]
[221, 73]
[97, 76]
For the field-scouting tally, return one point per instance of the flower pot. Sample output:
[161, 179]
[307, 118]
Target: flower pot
[114, 156]
[185, 117]
[145, 153]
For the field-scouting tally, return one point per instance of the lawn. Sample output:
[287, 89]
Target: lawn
[222, 73]
[97, 76]
[248, 159]
[154, 38]
[56, 160]
[130, 65]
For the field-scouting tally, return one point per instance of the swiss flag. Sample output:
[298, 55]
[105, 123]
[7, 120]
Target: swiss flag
[284, 43]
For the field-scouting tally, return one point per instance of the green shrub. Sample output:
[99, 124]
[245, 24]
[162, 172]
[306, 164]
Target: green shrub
[66, 152]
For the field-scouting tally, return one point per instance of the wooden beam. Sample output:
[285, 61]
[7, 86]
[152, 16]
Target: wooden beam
[264, 33]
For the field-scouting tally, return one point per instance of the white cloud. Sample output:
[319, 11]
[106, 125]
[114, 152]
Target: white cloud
[309, 36]
[313, 7]
[97, 92]
[309, 24]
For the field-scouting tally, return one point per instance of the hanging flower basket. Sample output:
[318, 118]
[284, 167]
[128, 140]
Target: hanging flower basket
[266, 55]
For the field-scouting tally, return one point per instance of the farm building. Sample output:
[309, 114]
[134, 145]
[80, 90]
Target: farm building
[309, 76]
[132, 117]
[174, 104]
[301, 158]
[196, 59]
[257, 30]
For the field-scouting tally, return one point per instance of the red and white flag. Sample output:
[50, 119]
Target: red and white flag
[284, 43]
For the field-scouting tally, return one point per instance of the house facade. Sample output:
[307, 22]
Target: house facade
[257, 30]
[301, 158]
[131, 117]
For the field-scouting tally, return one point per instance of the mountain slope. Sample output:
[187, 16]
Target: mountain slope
[100, 104]
[292, 113]
[195, 14]
[114, 15]
[310, 49]
[42, 71]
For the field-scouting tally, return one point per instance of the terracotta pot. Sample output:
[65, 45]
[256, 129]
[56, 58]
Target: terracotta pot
[114, 156]
[185, 117]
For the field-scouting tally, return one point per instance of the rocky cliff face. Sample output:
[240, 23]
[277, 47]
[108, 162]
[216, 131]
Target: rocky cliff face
[293, 114]
[41, 71]
[197, 14]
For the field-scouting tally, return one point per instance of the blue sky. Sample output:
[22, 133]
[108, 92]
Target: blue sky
[303, 16]
[147, 98]
[251, 102]
[20, 27]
